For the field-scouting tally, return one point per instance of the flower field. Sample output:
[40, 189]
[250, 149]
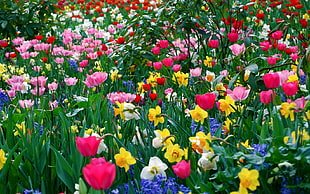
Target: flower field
[155, 96]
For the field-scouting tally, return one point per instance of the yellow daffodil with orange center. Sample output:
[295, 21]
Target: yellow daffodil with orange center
[155, 115]
[201, 142]
[174, 153]
[292, 78]
[248, 179]
[2, 158]
[287, 110]
[208, 61]
[210, 76]
[180, 78]
[227, 105]
[198, 114]
[226, 126]
[124, 159]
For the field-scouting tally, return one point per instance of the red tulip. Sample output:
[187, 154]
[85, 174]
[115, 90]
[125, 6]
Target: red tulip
[87, 146]
[206, 101]
[99, 174]
[182, 169]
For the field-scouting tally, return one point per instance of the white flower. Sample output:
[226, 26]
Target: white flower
[157, 142]
[130, 112]
[155, 167]
[208, 161]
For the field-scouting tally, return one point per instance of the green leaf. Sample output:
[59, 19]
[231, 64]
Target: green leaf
[82, 187]
[4, 24]
[252, 68]
[64, 170]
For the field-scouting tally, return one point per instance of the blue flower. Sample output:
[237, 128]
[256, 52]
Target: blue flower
[73, 65]
[260, 149]
[214, 125]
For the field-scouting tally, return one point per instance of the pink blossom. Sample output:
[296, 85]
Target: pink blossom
[59, 60]
[53, 104]
[232, 36]
[93, 55]
[195, 72]
[277, 35]
[182, 169]
[265, 46]
[38, 91]
[281, 46]
[168, 62]
[266, 97]
[290, 88]
[294, 56]
[213, 43]
[52, 86]
[83, 63]
[224, 72]
[18, 40]
[271, 80]
[163, 43]
[38, 81]
[70, 81]
[95, 79]
[121, 97]
[238, 93]
[168, 91]
[176, 68]
[271, 60]
[26, 103]
[237, 49]
[25, 55]
[156, 50]
[15, 79]
[300, 103]
[158, 65]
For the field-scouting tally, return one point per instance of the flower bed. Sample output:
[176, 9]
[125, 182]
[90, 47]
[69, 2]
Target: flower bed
[156, 97]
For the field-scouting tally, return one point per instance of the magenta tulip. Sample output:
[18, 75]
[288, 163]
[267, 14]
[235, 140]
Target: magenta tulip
[87, 146]
[99, 174]
[290, 88]
[271, 80]
[266, 97]
[206, 101]
[182, 169]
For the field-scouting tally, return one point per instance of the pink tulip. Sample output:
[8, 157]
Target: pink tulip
[271, 60]
[99, 174]
[38, 91]
[87, 146]
[266, 97]
[95, 79]
[237, 49]
[83, 63]
[281, 46]
[195, 72]
[158, 65]
[277, 35]
[38, 81]
[176, 68]
[290, 88]
[168, 62]
[156, 50]
[206, 101]
[52, 86]
[59, 60]
[238, 93]
[232, 36]
[300, 103]
[163, 43]
[271, 80]
[26, 103]
[70, 81]
[294, 56]
[213, 43]
[182, 169]
[265, 46]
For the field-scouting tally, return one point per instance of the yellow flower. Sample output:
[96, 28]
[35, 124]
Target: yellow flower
[248, 179]
[198, 114]
[119, 110]
[227, 105]
[114, 74]
[220, 88]
[152, 79]
[226, 125]
[181, 78]
[2, 158]
[287, 110]
[21, 128]
[292, 78]
[124, 159]
[174, 153]
[201, 142]
[155, 115]
[246, 144]
[208, 61]
[163, 138]
[303, 136]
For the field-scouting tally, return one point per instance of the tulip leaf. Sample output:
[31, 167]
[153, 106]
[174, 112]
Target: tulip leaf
[82, 187]
[252, 68]
[64, 170]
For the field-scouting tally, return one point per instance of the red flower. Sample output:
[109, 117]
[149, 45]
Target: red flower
[146, 87]
[182, 169]
[138, 98]
[206, 101]
[303, 23]
[87, 146]
[260, 15]
[44, 59]
[99, 174]
[50, 39]
[266, 97]
[104, 47]
[153, 96]
[161, 81]
[232, 36]
[213, 43]
[39, 37]
[120, 40]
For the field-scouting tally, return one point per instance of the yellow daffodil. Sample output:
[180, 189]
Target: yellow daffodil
[2, 158]
[248, 179]
[155, 115]
[292, 78]
[21, 128]
[287, 110]
[303, 135]
[124, 159]
[162, 138]
[208, 61]
[181, 78]
[227, 105]
[174, 153]
[198, 114]
[201, 142]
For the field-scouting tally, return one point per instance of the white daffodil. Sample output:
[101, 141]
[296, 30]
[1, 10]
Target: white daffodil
[208, 161]
[130, 111]
[155, 167]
